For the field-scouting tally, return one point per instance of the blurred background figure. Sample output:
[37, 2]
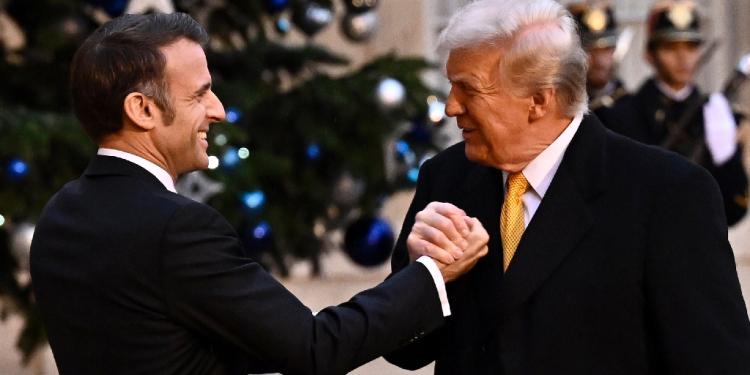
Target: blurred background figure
[605, 47]
[670, 111]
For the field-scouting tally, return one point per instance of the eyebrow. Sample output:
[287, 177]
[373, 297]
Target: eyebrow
[465, 79]
[203, 89]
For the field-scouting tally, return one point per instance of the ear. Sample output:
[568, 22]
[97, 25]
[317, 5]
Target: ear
[141, 110]
[542, 103]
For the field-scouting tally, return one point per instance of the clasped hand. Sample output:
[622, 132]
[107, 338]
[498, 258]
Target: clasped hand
[445, 233]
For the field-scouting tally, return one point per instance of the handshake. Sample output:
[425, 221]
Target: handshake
[452, 239]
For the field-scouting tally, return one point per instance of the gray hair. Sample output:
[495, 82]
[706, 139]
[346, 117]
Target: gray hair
[541, 44]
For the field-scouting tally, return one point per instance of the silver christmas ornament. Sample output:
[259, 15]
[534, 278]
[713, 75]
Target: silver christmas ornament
[20, 243]
[390, 93]
[198, 187]
[360, 27]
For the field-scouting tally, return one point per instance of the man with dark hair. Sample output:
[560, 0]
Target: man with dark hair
[598, 30]
[131, 278]
[670, 111]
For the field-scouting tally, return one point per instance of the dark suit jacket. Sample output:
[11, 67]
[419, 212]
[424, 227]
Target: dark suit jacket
[624, 269]
[133, 279]
[647, 117]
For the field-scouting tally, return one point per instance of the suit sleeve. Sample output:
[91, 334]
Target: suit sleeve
[693, 297]
[423, 351]
[224, 297]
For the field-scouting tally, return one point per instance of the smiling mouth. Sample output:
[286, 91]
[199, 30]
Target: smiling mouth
[202, 135]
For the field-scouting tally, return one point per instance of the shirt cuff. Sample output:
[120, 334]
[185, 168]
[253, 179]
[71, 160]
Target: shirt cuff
[437, 277]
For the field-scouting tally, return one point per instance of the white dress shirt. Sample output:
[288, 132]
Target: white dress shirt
[542, 169]
[154, 169]
[166, 180]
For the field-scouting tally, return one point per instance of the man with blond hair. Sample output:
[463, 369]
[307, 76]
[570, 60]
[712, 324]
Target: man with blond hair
[606, 256]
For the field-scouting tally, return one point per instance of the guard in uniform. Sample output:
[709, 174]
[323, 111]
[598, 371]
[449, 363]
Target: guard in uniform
[669, 111]
[598, 30]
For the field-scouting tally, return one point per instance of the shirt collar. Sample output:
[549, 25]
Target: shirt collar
[540, 171]
[154, 169]
[676, 95]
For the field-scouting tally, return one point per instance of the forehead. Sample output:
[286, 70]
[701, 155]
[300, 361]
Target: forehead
[465, 63]
[186, 63]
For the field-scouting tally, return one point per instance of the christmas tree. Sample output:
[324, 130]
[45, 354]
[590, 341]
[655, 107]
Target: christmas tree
[302, 152]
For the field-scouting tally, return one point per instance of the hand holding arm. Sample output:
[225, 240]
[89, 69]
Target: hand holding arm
[439, 232]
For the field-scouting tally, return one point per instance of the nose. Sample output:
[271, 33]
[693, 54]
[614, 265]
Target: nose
[214, 108]
[453, 107]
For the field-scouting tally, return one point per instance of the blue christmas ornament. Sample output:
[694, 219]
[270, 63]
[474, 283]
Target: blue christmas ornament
[253, 201]
[369, 241]
[313, 152]
[113, 7]
[231, 158]
[402, 147]
[261, 231]
[233, 115]
[404, 153]
[17, 169]
[283, 25]
[256, 237]
[275, 6]
[413, 175]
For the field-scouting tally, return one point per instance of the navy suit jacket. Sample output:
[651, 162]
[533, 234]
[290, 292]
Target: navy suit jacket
[131, 278]
[625, 268]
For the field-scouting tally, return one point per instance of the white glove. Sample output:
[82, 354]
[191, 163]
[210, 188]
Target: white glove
[720, 128]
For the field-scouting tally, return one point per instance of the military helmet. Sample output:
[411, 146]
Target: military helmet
[596, 24]
[674, 21]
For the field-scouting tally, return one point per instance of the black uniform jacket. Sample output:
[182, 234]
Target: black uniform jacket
[648, 117]
[131, 278]
[625, 268]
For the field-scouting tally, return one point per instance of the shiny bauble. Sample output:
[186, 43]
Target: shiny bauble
[348, 190]
[360, 26]
[369, 241]
[20, 243]
[230, 159]
[17, 169]
[390, 93]
[436, 112]
[256, 237]
[311, 17]
[275, 6]
[113, 8]
[360, 6]
[253, 202]
[283, 25]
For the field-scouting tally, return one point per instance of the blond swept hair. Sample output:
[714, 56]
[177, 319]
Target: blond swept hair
[541, 46]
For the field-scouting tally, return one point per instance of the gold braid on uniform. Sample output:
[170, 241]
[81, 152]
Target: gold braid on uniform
[607, 100]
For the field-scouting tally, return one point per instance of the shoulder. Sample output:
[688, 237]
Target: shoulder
[650, 164]
[452, 159]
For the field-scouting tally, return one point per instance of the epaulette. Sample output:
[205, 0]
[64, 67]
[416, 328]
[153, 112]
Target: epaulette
[608, 100]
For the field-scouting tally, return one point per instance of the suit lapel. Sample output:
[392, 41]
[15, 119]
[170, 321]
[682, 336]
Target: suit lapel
[561, 220]
[482, 197]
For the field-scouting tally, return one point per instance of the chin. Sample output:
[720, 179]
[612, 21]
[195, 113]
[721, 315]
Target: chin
[475, 154]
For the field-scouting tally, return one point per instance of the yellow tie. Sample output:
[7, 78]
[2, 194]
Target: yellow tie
[511, 217]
